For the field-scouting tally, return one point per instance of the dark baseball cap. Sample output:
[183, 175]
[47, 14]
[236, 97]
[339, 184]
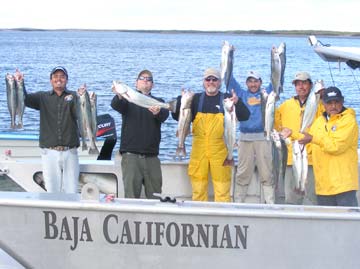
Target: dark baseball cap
[332, 93]
[59, 68]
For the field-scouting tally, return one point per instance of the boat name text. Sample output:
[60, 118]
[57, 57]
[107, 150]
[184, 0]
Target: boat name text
[116, 230]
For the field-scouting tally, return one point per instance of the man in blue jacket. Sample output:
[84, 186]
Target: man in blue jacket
[253, 148]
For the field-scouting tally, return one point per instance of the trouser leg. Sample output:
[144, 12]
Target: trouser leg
[221, 179]
[132, 175]
[198, 171]
[263, 157]
[245, 171]
[71, 171]
[52, 173]
[152, 177]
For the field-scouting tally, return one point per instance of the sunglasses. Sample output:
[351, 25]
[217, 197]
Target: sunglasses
[212, 79]
[146, 78]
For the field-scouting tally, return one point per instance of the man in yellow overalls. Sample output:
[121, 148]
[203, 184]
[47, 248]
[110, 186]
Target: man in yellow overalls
[208, 147]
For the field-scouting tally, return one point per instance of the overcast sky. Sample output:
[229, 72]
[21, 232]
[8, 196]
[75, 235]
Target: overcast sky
[335, 15]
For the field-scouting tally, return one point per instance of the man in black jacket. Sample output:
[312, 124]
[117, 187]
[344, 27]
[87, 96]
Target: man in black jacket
[140, 140]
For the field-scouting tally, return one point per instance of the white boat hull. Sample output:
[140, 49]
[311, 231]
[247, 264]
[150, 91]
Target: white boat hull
[49, 231]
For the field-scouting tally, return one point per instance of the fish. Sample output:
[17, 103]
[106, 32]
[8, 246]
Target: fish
[280, 156]
[300, 166]
[227, 62]
[263, 97]
[311, 106]
[184, 122]
[93, 108]
[230, 122]
[140, 99]
[20, 104]
[11, 95]
[278, 63]
[85, 120]
[269, 114]
[282, 55]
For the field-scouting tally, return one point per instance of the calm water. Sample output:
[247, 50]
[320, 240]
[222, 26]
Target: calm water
[176, 60]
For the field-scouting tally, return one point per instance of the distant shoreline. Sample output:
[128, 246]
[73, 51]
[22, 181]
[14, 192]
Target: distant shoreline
[234, 32]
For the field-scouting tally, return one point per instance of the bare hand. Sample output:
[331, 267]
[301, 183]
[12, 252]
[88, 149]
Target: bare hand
[234, 97]
[154, 109]
[306, 139]
[285, 132]
[18, 75]
[82, 89]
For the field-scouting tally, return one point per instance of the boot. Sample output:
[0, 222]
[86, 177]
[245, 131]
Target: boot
[269, 194]
[240, 193]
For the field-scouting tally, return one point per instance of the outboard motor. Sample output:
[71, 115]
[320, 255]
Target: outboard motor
[106, 129]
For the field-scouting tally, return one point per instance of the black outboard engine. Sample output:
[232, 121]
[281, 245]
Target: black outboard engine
[106, 129]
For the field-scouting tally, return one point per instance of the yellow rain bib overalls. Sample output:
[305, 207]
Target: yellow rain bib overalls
[209, 152]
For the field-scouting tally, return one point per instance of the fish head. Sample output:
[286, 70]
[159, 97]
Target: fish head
[228, 104]
[319, 85]
[119, 87]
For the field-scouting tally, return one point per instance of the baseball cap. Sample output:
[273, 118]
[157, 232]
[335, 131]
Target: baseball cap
[145, 72]
[212, 72]
[332, 93]
[253, 74]
[59, 68]
[302, 75]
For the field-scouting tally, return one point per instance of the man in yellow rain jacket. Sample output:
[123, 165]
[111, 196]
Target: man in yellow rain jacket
[288, 117]
[208, 147]
[334, 139]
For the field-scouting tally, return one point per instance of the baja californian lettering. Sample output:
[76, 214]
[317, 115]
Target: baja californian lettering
[67, 229]
[173, 234]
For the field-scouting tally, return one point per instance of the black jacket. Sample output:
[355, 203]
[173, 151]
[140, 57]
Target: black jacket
[140, 129]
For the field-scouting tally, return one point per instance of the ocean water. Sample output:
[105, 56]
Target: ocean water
[177, 61]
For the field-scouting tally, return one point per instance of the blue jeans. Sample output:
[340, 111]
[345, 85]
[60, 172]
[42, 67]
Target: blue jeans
[342, 199]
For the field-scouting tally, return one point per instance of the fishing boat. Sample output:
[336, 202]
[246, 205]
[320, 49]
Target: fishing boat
[329, 53]
[98, 228]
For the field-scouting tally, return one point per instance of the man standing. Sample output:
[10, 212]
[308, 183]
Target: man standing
[140, 141]
[334, 139]
[59, 134]
[253, 148]
[288, 120]
[208, 147]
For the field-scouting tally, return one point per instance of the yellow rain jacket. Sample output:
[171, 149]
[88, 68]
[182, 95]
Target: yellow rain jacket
[335, 156]
[289, 114]
[209, 152]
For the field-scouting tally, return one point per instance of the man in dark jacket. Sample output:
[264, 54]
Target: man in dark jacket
[140, 140]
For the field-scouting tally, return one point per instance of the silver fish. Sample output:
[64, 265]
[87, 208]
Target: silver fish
[93, 108]
[20, 102]
[269, 114]
[229, 129]
[278, 63]
[282, 54]
[11, 98]
[184, 122]
[140, 99]
[280, 155]
[263, 96]
[299, 166]
[227, 62]
[311, 106]
[86, 122]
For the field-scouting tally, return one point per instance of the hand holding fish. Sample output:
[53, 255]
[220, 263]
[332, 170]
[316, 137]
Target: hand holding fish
[82, 89]
[154, 109]
[285, 132]
[234, 98]
[306, 139]
[18, 75]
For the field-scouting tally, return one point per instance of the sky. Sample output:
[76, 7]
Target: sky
[203, 15]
